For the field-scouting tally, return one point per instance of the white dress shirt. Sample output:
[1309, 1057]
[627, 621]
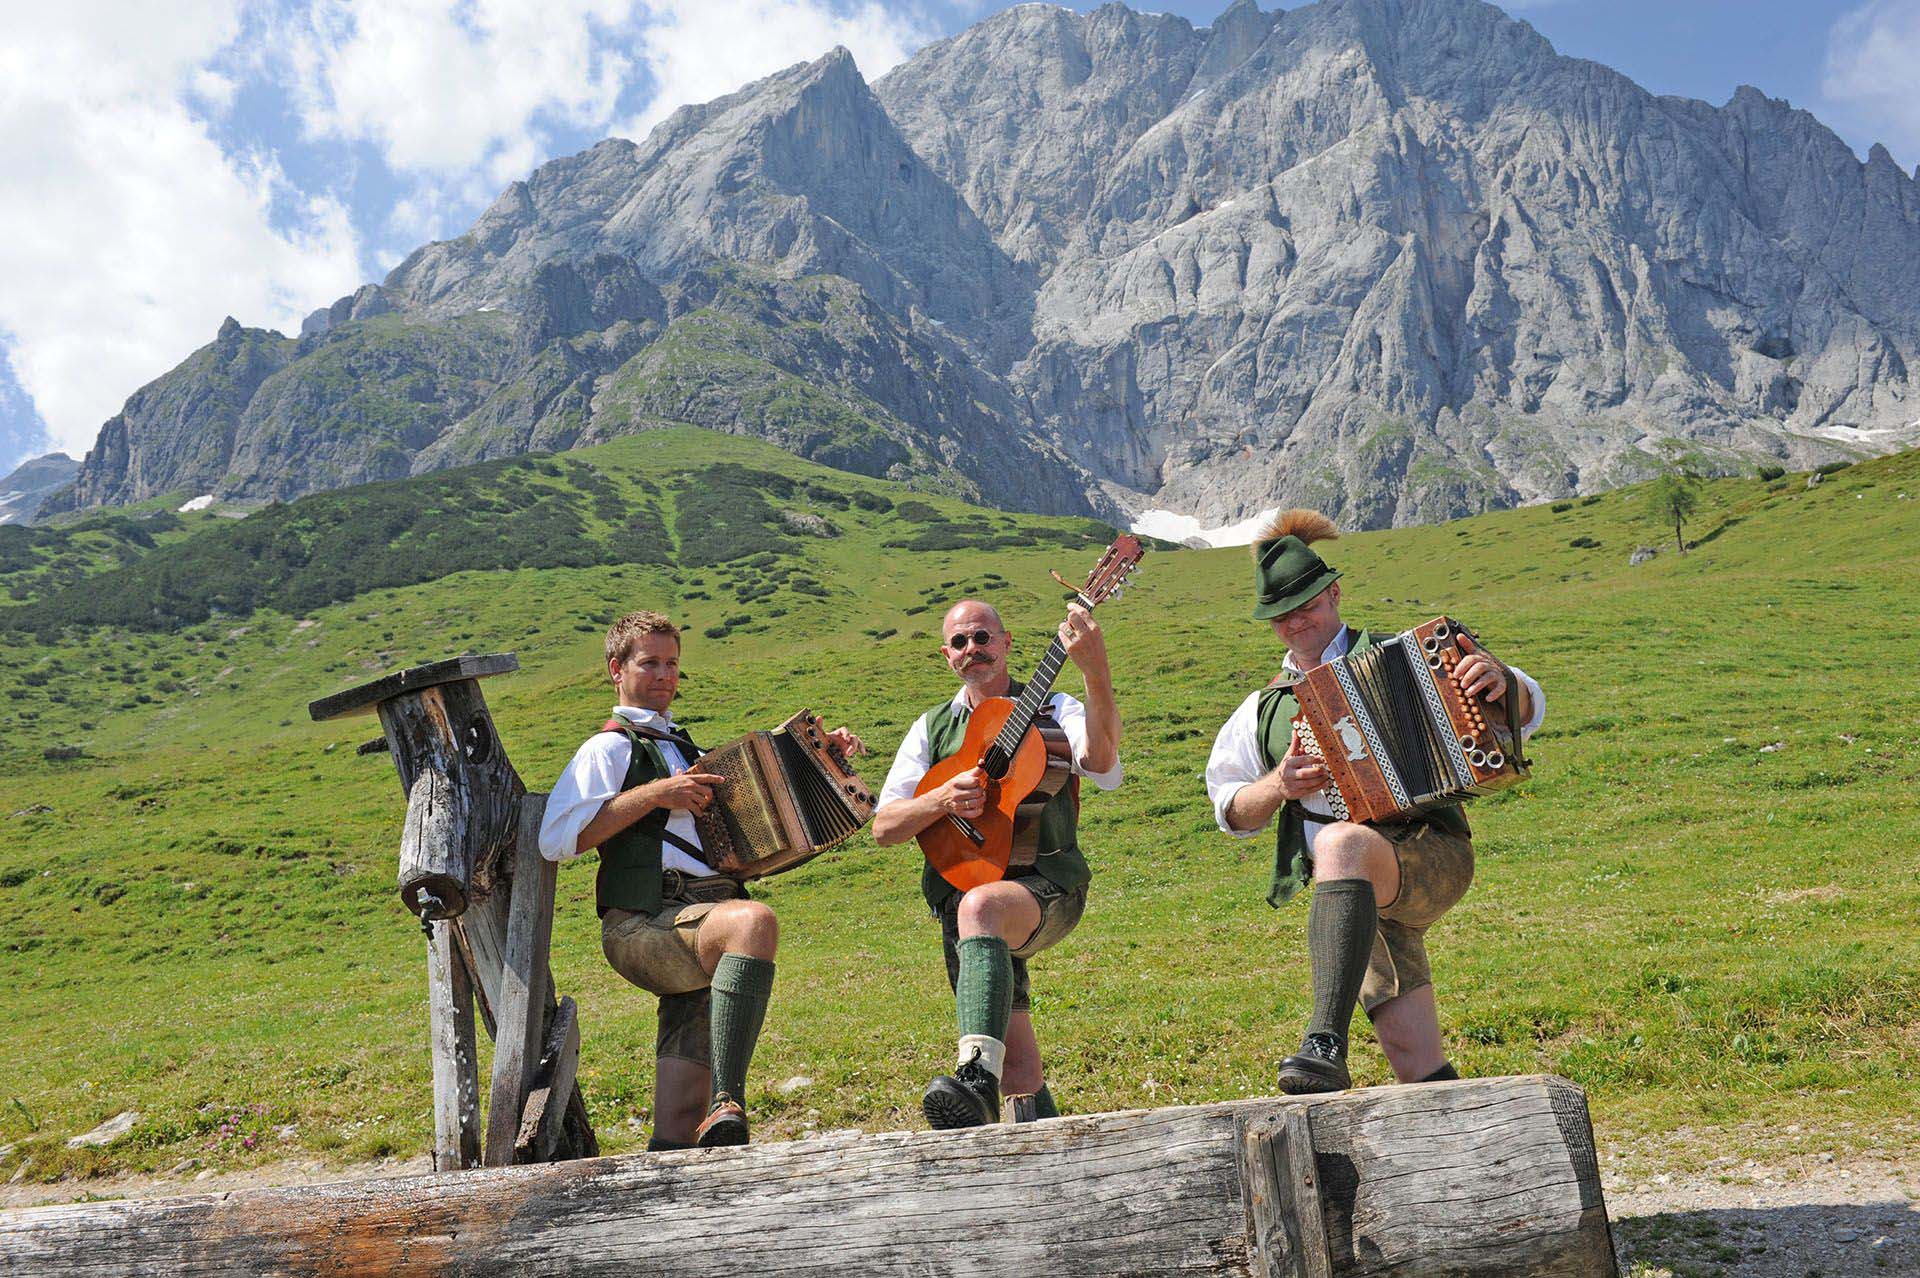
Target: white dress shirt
[915, 755]
[1235, 761]
[596, 773]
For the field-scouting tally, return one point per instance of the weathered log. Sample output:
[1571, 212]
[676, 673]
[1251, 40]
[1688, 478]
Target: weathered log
[1484, 1177]
[437, 726]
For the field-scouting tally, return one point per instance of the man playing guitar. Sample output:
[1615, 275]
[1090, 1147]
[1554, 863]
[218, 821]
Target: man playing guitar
[990, 930]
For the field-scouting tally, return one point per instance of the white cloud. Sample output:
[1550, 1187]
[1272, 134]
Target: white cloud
[1872, 66]
[126, 232]
[446, 87]
[699, 50]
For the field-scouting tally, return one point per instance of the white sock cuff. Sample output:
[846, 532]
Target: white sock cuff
[993, 1052]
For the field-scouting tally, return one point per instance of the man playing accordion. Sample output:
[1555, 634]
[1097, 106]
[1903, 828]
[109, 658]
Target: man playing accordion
[668, 922]
[1378, 886]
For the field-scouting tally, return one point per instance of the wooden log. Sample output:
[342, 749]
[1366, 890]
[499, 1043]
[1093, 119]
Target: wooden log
[456, 1067]
[526, 986]
[1469, 1180]
[1020, 1109]
[543, 1121]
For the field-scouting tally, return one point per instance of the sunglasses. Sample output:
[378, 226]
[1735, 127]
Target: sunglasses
[980, 638]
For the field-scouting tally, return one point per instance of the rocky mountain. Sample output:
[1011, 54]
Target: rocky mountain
[29, 483]
[1396, 258]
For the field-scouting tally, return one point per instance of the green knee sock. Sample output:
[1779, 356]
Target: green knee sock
[1043, 1106]
[741, 986]
[1340, 928]
[983, 996]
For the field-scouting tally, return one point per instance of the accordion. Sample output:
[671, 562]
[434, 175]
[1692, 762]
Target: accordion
[1397, 734]
[790, 795]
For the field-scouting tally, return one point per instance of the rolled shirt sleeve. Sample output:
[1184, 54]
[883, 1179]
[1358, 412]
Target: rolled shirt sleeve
[1235, 762]
[594, 775]
[1537, 698]
[1072, 718]
[910, 763]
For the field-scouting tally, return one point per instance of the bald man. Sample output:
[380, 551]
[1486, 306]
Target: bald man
[991, 931]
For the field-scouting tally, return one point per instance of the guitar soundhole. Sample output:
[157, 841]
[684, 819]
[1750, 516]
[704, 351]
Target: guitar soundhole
[995, 762]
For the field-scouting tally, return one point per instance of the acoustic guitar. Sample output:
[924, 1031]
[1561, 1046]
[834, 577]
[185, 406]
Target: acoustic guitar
[1001, 742]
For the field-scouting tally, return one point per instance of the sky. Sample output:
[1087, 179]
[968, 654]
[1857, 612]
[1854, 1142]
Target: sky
[163, 166]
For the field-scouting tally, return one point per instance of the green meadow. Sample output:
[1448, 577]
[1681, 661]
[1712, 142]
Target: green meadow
[1700, 908]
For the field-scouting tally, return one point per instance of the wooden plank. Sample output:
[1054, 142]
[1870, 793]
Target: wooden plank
[1158, 1192]
[1297, 1186]
[1019, 1109]
[543, 1121]
[525, 990]
[483, 937]
[362, 698]
[456, 1070]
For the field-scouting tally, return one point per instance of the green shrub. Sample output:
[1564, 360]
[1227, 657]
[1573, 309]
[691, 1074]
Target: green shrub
[1832, 467]
[1561, 507]
[1584, 543]
[872, 501]
[1769, 472]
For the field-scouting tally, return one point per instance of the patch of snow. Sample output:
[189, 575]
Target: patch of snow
[198, 503]
[1167, 525]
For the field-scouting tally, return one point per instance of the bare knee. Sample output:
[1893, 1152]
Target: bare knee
[994, 909]
[746, 927]
[1344, 850]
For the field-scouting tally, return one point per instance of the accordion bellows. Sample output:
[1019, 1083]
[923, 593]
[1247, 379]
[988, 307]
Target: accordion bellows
[789, 796]
[1395, 731]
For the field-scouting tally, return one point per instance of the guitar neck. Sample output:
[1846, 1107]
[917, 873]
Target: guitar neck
[1033, 698]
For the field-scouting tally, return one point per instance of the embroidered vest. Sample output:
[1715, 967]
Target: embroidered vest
[1291, 865]
[1046, 835]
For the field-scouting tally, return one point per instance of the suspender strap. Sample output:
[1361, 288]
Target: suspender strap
[617, 724]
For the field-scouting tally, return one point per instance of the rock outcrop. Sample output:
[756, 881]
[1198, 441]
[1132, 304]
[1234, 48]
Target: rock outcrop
[1395, 258]
[31, 483]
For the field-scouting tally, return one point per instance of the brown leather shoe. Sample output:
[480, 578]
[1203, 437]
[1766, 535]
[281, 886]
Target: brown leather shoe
[726, 1124]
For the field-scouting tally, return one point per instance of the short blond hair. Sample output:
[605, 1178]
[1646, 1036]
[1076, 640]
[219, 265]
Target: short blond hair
[621, 637]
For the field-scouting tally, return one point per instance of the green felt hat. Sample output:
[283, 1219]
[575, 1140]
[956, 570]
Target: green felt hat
[1286, 574]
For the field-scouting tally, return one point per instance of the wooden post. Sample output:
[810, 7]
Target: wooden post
[456, 1076]
[1487, 1178]
[470, 855]
[461, 790]
[525, 991]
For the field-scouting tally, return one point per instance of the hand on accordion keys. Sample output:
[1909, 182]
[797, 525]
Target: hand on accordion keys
[1483, 677]
[843, 740]
[1300, 774]
[688, 791]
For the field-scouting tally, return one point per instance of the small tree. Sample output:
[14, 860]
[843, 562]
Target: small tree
[1672, 497]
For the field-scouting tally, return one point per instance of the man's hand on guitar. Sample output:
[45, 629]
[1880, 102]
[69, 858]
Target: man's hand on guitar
[965, 795]
[685, 791]
[1084, 641]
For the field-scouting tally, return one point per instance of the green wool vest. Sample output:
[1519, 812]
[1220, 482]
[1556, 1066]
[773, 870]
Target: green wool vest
[1057, 857]
[629, 877]
[1291, 866]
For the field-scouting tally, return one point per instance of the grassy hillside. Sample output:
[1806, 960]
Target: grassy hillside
[1700, 908]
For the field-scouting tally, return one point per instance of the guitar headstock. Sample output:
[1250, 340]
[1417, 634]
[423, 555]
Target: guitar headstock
[1110, 574]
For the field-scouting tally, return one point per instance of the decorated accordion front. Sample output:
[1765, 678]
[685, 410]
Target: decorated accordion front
[1395, 731]
[790, 795]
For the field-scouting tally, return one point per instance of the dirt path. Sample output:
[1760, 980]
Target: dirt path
[1812, 1219]
[1815, 1219]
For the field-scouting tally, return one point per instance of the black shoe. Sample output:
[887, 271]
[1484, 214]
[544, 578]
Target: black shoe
[1319, 1066]
[970, 1097]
